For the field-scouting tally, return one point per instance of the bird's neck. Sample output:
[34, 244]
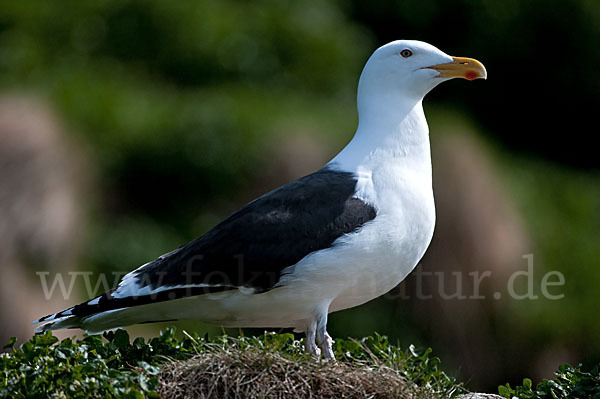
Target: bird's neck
[390, 133]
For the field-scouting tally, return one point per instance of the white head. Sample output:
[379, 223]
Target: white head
[394, 81]
[404, 71]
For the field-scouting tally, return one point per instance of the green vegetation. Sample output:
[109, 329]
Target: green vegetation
[113, 366]
[93, 367]
[84, 368]
[570, 383]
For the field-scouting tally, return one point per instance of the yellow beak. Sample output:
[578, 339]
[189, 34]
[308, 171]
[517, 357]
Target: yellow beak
[460, 67]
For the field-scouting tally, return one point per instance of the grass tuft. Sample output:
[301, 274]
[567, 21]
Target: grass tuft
[273, 366]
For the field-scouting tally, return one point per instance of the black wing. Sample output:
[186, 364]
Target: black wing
[250, 248]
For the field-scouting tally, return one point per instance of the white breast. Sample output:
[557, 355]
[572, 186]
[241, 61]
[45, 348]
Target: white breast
[386, 249]
[371, 261]
[394, 175]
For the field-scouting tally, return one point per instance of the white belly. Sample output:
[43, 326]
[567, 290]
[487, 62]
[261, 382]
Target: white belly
[366, 264]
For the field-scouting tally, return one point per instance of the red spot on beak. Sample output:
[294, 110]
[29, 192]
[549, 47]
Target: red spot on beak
[471, 75]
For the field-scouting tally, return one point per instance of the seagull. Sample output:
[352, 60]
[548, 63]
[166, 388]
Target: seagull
[331, 240]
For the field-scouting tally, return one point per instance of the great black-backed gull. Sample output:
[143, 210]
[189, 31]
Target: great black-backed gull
[328, 241]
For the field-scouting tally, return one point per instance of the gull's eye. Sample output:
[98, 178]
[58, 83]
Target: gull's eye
[406, 53]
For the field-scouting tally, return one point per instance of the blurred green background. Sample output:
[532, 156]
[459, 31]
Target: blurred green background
[170, 115]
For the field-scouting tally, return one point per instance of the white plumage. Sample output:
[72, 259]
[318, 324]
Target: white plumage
[367, 243]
